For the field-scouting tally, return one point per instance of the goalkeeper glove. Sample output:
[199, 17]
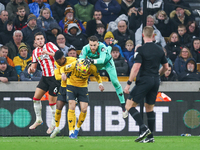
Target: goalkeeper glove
[92, 60]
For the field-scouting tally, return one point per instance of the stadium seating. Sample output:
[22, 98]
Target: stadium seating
[78, 52]
[104, 78]
[123, 78]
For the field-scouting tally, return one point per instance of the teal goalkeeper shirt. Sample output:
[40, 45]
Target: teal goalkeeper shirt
[101, 57]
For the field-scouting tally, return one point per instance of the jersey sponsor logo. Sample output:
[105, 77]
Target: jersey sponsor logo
[103, 49]
[135, 54]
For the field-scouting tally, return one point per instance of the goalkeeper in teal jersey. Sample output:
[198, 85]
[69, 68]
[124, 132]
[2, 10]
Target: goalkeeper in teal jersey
[100, 56]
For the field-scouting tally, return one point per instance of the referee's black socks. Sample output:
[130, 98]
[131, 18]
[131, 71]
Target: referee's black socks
[151, 122]
[136, 115]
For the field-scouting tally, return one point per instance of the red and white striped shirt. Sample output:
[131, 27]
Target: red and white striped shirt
[46, 61]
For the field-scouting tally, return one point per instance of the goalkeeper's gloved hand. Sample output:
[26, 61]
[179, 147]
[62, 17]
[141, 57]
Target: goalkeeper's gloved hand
[87, 61]
[92, 60]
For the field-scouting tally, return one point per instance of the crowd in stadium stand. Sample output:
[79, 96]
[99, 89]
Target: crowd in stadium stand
[116, 23]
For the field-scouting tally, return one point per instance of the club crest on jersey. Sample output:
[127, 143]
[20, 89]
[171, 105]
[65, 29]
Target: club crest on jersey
[103, 49]
[68, 66]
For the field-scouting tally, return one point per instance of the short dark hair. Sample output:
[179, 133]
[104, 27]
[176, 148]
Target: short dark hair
[38, 33]
[58, 54]
[100, 25]
[115, 49]
[93, 38]
[9, 22]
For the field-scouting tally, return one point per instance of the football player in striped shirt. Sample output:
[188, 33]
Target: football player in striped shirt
[44, 55]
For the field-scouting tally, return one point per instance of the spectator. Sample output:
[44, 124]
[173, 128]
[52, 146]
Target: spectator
[180, 62]
[4, 53]
[53, 32]
[109, 40]
[128, 53]
[75, 37]
[126, 5]
[58, 9]
[92, 24]
[84, 10]
[14, 44]
[11, 7]
[173, 47]
[162, 23]
[190, 74]
[8, 32]
[110, 9]
[135, 18]
[69, 18]
[158, 36]
[2, 7]
[120, 62]
[36, 6]
[112, 26]
[122, 34]
[3, 19]
[25, 76]
[153, 6]
[192, 29]
[180, 16]
[20, 21]
[72, 52]
[172, 4]
[21, 61]
[184, 38]
[44, 20]
[61, 43]
[195, 49]
[30, 30]
[7, 72]
[169, 75]
[100, 32]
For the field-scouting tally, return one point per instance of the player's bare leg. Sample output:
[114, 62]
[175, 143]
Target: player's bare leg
[37, 107]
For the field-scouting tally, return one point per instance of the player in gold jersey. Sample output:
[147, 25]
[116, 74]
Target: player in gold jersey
[77, 87]
[61, 61]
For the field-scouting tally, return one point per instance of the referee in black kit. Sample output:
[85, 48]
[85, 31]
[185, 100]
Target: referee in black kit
[146, 67]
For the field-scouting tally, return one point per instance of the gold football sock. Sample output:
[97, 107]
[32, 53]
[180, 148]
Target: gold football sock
[81, 119]
[71, 121]
[57, 117]
[74, 119]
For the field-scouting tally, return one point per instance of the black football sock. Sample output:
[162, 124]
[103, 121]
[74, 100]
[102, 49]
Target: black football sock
[151, 122]
[136, 115]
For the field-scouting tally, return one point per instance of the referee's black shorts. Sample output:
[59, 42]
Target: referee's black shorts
[49, 84]
[146, 87]
[62, 94]
[81, 93]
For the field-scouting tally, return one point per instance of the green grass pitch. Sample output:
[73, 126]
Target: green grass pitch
[99, 143]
